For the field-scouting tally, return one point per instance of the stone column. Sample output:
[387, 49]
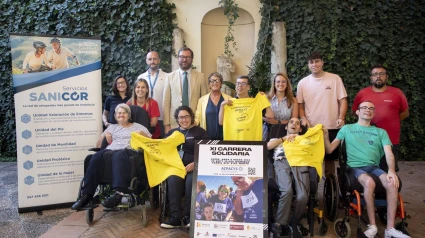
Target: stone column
[177, 44]
[279, 55]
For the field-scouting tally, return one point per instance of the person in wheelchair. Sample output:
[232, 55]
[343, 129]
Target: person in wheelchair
[365, 145]
[118, 137]
[177, 186]
[284, 174]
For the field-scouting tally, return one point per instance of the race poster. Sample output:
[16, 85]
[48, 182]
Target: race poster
[58, 111]
[229, 196]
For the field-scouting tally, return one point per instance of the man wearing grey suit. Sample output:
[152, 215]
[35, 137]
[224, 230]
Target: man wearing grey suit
[182, 87]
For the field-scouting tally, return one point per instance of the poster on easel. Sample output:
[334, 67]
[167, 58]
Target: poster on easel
[58, 111]
[229, 190]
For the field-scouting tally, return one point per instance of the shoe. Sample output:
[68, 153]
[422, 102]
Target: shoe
[186, 222]
[82, 202]
[112, 201]
[286, 231]
[173, 222]
[371, 231]
[395, 233]
[303, 230]
[296, 233]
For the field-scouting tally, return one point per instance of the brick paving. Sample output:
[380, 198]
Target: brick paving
[129, 223]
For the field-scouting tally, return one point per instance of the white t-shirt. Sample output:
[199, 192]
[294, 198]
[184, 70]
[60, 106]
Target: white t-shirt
[33, 63]
[60, 61]
[121, 135]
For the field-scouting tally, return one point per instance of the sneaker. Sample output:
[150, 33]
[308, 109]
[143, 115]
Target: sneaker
[286, 231]
[173, 222]
[371, 231]
[186, 222]
[112, 201]
[276, 230]
[303, 230]
[395, 233]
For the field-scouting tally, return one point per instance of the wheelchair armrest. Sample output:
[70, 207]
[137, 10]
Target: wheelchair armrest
[94, 149]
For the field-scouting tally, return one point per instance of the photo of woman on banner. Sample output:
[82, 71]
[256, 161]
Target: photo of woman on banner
[36, 61]
[223, 205]
[249, 198]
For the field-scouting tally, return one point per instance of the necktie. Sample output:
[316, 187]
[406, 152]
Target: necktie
[185, 93]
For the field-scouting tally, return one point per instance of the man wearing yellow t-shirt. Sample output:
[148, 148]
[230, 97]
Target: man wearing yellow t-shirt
[242, 117]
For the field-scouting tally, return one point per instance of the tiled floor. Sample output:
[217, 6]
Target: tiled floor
[128, 224]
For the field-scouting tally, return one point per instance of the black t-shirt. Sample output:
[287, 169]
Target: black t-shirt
[191, 135]
[111, 103]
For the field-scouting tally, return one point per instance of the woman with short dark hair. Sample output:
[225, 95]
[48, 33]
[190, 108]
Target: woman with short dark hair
[185, 119]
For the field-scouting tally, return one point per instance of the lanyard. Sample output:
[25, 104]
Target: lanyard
[154, 82]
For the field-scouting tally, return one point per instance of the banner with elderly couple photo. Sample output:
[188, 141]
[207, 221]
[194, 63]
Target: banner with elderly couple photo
[229, 191]
[58, 111]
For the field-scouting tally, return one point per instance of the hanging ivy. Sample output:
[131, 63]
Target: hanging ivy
[128, 30]
[353, 35]
[230, 9]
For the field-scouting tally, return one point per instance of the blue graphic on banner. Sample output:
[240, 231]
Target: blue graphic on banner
[29, 180]
[26, 134]
[23, 82]
[25, 118]
[27, 150]
[28, 165]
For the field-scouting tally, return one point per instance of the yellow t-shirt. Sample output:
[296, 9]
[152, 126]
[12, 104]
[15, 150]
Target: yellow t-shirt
[243, 120]
[161, 156]
[307, 149]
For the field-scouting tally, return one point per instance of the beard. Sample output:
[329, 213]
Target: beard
[379, 84]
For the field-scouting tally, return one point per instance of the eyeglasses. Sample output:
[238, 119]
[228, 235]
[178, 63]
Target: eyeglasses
[224, 191]
[120, 83]
[367, 108]
[380, 74]
[215, 81]
[185, 57]
[240, 180]
[183, 117]
[241, 84]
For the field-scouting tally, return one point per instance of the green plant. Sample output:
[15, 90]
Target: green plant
[128, 30]
[230, 9]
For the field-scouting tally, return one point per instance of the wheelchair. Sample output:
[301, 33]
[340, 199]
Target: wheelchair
[345, 192]
[312, 212]
[138, 189]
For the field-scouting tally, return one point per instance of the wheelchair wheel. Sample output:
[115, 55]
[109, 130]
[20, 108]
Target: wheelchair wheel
[144, 216]
[89, 216]
[323, 228]
[163, 201]
[342, 228]
[331, 197]
[402, 226]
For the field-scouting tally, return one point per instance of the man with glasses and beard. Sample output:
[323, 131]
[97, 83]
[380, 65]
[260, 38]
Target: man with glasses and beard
[183, 87]
[391, 104]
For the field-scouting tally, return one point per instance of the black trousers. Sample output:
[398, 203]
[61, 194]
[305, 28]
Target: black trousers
[96, 168]
[176, 187]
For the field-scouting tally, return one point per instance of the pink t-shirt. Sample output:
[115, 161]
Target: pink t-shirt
[320, 97]
[389, 104]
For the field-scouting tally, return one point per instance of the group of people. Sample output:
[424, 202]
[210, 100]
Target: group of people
[40, 60]
[217, 207]
[199, 110]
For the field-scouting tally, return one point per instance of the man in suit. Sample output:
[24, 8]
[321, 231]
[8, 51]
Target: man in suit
[182, 87]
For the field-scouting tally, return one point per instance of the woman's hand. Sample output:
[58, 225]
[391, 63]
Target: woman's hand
[108, 136]
[189, 167]
[227, 102]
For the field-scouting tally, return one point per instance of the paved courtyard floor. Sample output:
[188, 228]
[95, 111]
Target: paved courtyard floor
[66, 223]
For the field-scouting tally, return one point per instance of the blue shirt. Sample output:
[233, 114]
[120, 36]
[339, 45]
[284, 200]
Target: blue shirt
[111, 103]
[214, 130]
[254, 214]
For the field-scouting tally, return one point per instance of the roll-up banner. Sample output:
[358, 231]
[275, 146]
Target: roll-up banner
[58, 111]
[229, 189]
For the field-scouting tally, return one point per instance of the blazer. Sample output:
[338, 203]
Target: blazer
[202, 106]
[172, 97]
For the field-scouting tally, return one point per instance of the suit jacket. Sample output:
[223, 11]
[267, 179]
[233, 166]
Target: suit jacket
[172, 97]
[200, 118]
